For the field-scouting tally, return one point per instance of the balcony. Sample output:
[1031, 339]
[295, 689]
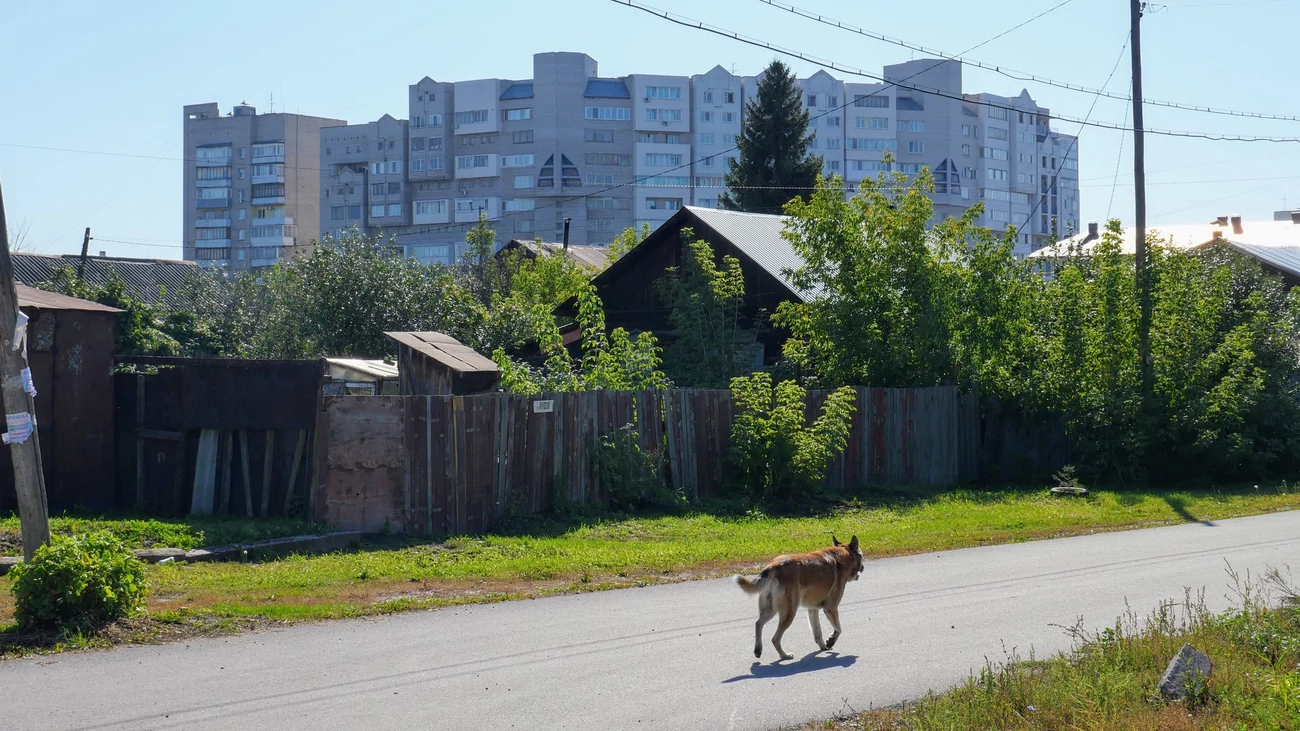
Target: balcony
[215, 202]
[213, 222]
[213, 162]
[259, 179]
[212, 244]
[212, 263]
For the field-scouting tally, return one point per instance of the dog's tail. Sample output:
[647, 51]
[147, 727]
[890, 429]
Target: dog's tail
[751, 586]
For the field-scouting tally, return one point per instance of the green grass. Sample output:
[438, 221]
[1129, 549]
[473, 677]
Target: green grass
[184, 533]
[1110, 681]
[580, 551]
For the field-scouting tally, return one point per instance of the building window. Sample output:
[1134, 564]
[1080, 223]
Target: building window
[728, 116]
[475, 116]
[376, 189]
[435, 143]
[523, 227]
[377, 211]
[609, 114]
[394, 209]
[517, 161]
[998, 113]
[427, 208]
[833, 165]
[600, 179]
[598, 135]
[911, 168]
[464, 206]
[708, 97]
[912, 125]
[653, 158]
[871, 101]
[469, 162]
[354, 211]
[994, 153]
[997, 133]
[603, 158]
[271, 149]
[997, 174]
[832, 121]
[965, 150]
[435, 120]
[812, 100]
[728, 97]
[520, 204]
[663, 115]
[394, 188]
[517, 115]
[663, 204]
[706, 138]
[706, 116]
[417, 165]
[417, 144]
[435, 164]
[522, 137]
[663, 92]
[916, 148]
[523, 181]
[833, 143]
[866, 143]
[243, 173]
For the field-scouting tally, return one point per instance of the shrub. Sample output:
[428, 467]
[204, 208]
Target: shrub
[78, 581]
[628, 474]
[776, 454]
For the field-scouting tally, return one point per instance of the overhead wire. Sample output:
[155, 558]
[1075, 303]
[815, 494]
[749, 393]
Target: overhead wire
[1020, 75]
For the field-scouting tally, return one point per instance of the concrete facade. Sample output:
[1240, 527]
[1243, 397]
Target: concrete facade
[612, 153]
[251, 187]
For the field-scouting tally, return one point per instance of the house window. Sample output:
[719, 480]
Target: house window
[377, 211]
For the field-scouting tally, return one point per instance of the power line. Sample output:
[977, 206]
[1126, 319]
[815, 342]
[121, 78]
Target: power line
[1056, 175]
[1021, 75]
[671, 17]
[1114, 183]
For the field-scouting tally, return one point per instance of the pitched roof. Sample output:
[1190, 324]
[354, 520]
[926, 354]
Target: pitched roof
[757, 236]
[42, 300]
[606, 89]
[445, 350]
[522, 90]
[1275, 243]
[596, 257]
[142, 277]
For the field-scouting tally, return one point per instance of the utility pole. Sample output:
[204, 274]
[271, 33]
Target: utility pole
[85, 251]
[29, 481]
[1140, 202]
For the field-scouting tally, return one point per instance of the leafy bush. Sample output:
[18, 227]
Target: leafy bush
[776, 455]
[628, 474]
[78, 581]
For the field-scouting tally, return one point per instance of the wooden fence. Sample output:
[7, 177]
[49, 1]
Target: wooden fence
[437, 465]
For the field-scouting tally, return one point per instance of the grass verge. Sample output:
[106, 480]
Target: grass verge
[1111, 679]
[184, 533]
[585, 551]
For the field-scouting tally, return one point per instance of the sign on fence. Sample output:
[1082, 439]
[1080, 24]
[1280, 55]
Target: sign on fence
[543, 407]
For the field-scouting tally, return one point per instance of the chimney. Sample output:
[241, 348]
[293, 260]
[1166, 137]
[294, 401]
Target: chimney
[1218, 235]
[103, 253]
[1221, 220]
[1092, 232]
[566, 233]
[1236, 225]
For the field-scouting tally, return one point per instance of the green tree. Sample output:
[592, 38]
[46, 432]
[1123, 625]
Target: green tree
[880, 298]
[705, 301]
[626, 241]
[774, 165]
[142, 328]
[613, 361]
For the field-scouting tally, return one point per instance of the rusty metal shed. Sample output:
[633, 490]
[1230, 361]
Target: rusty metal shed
[70, 345]
[433, 364]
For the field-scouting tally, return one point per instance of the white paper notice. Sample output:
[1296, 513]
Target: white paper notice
[20, 427]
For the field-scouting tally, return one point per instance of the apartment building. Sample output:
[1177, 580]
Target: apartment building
[610, 153]
[251, 186]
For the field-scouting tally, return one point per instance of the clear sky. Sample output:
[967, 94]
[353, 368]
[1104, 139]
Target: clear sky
[92, 78]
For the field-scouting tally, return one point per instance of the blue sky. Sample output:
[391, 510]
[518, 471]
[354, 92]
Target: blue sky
[90, 78]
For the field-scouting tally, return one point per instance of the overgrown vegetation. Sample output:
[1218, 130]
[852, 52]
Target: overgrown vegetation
[184, 533]
[78, 582]
[900, 303]
[629, 475]
[1109, 681]
[775, 453]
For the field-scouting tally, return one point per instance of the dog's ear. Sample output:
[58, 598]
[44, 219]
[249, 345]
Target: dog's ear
[834, 540]
[853, 544]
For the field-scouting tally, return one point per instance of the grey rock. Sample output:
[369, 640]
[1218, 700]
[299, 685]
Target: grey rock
[1188, 664]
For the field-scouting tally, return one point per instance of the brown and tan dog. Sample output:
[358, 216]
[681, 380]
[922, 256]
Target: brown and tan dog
[813, 580]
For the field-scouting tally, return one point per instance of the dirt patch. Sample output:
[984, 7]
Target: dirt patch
[11, 544]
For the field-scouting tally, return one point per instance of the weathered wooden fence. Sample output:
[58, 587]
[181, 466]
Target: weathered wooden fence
[456, 464]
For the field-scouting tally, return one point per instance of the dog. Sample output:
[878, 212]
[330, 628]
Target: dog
[814, 580]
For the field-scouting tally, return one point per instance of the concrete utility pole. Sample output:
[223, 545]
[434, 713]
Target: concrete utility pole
[1140, 202]
[85, 251]
[29, 481]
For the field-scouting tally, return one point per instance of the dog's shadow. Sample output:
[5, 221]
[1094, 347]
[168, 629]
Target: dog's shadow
[807, 664]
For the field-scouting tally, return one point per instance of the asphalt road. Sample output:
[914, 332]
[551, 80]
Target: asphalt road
[664, 657]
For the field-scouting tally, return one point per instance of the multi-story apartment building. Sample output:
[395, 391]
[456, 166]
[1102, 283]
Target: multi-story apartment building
[251, 185]
[610, 153]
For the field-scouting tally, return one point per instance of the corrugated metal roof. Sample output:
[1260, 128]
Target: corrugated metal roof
[375, 368]
[596, 257]
[41, 300]
[519, 91]
[446, 350]
[758, 236]
[1276, 243]
[142, 277]
[606, 89]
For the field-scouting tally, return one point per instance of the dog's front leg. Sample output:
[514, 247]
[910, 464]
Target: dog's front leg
[833, 614]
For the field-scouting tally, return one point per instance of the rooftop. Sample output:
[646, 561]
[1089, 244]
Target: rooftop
[144, 278]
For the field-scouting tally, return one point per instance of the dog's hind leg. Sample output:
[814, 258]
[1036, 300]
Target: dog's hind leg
[816, 623]
[833, 614]
[765, 612]
[789, 607]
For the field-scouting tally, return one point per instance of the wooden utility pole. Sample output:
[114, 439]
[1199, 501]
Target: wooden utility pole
[85, 251]
[1140, 202]
[29, 481]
